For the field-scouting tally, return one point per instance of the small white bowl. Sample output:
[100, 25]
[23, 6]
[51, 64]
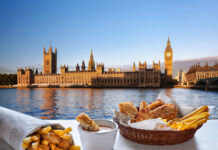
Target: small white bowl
[99, 140]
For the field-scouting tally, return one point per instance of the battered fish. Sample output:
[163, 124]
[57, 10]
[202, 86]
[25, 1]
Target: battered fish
[156, 104]
[166, 111]
[143, 106]
[128, 108]
[87, 123]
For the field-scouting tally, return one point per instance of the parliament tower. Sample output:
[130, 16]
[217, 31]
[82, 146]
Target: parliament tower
[49, 61]
[168, 59]
[91, 66]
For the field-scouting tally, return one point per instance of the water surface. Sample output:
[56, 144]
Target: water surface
[67, 103]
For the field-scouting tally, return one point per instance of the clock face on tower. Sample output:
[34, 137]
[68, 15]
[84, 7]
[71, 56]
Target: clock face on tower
[168, 54]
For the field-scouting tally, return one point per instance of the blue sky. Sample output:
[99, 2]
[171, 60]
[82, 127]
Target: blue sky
[118, 31]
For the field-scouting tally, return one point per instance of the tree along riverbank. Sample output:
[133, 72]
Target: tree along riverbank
[8, 79]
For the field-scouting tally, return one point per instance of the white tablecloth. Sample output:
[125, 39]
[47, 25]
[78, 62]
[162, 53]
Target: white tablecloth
[206, 138]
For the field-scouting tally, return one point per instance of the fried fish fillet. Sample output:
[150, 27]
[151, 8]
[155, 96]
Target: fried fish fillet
[156, 104]
[143, 114]
[166, 111]
[128, 108]
[143, 105]
[87, 123]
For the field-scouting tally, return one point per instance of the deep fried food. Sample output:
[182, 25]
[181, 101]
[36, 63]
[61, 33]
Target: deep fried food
[143, 106]
[43, 147]
[193, 120]
[156, 104]
[128, 108]
[87, 123]
[197, 111]
[35, 145]
[36, 137]
[143, 113]
[157, 109]
[68, 130]
[52, 138]
[166, 111]
[44, 142]
[27, 140]
[65, 143]
[58, 132]
[74, 147]
[47, 138]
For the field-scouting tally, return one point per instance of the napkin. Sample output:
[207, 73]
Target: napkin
[15, 126]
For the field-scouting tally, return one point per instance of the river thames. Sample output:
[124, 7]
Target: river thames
[67, 103]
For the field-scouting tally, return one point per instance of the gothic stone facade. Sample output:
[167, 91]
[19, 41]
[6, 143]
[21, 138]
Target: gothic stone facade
[93, 76]
[198, 72]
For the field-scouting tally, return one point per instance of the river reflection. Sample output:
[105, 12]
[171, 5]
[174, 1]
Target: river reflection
[49, 99]
[67, 103]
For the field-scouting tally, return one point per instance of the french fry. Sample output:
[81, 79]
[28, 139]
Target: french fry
[58, 132]
[36, 137]
[170, 122]
[58, 148]
[179, 126]
[66, 136]
[27, 140]
[39, 131]
[74, 147]
[52, 138]
[192, 120]
[197, 111]
[65, 143]
[52, 146]
[43, 147]
[200, 122]
[35, 145]
[198, 116]
[193, 123]
[45, 142]
[175, 125]
[165, 120]
[24, 145]
[68, 130]
[46, 129]
[49, 139]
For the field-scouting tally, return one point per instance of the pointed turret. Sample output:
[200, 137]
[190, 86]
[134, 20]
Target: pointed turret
[134, 68]
[83, 68]
[91, 66]
[50, 49]
[37, 71]
[77, 68]
[168, 41]
[206, 65]
[91, 55]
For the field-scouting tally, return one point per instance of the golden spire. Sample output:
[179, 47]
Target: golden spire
[91, 53]
[91, 66]
[134, 67]
[168, 41]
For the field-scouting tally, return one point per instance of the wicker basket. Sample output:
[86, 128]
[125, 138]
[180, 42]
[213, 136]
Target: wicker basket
[155, 137]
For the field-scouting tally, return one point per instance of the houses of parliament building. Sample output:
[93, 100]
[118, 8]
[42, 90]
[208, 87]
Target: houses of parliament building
[95, 74]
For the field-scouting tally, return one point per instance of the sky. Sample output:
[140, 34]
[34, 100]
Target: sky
[118, 31]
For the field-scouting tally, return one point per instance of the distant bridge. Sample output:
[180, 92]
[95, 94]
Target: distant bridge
[208, 81]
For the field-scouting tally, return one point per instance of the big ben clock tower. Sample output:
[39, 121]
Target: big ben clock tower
[168, 59]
